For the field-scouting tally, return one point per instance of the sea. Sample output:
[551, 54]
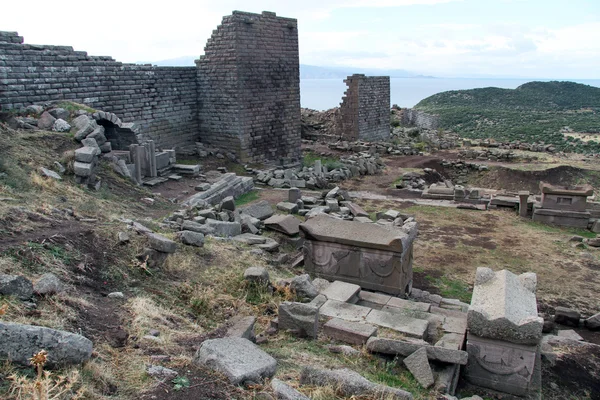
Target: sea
[323, 94]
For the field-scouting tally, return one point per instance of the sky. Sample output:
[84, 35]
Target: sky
[553, 39]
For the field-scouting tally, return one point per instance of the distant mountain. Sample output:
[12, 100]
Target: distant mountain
[533, 112]
[306, 71]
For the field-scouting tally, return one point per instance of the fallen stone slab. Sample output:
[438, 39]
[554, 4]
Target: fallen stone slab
[406, 348]
[350, 383]
[452, 341]
[346, 311]
[225, 229]
[406, 325]
[271, 245]
[16, 285]
[257, 274]
[299, 317]
[349, 332]
[287, 224]
[285, 392]
[86, 154]
[418, 365]
[242, 327]
[238, 359]
[406, 304]
[504, 307]
[19, 342]
[342, 291]
[290, 208]
[570, 334]
[50, 174]
[161, 243]
[191, 238]
[197, 227]
[250, 239]
[261, 210]
[373, 300]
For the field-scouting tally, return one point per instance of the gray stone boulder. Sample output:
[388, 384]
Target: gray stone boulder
[50, 174]
[566, 316]
[84, 125]
[242, 327]
[59, 113]
[227, 204]
[161, 243]
[191, 238]
[350, 383]
[197, 227]
[60, 125]
[593, 322]
[238, 359]
[300, 318]
[19, 342]
[161, 373]
[304, 288]
[14, 285]
[287, 224]
[261, 210]
[257, 275]
[46, 121]
[48, 284]
[285, 392]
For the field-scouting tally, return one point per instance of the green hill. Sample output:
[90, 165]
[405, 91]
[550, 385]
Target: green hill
[533, 112]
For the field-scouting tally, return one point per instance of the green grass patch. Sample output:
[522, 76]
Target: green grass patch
[331, 163]
[74, 107]
[246, 198]
[558, 229]
[451, 289]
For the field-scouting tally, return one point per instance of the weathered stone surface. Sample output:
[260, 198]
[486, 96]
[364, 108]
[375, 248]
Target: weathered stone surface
[566, 316]
[86, 154]
[501, 365]
[299, 317]
[228, 203]
[373, 300]
[287, 224]
[411, 305]
[161, 243]
[321, 284]
[60, 125]
[197, 227]
[342, 291]
[242, 327]
[192, 238]
[257, 274]
[250, 239]
[350, 383]
[570, 334]
[452, 341]
[349, 332]
[83, 169]
[46, 121]
[418, 365]
[285, 392]
[50, 174]
[411, 327]
[593, 322]
[303, 287]
[261, 210]
[48, 284]
[19, 342]
[14, 285]
[346, 311]
[238, 359]
[226, 229]
[161, 373]
[406, 348]
[290, 208]
[356, 210]
[504, 307]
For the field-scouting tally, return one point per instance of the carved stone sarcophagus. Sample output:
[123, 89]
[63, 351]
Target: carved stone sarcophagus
[372, 256]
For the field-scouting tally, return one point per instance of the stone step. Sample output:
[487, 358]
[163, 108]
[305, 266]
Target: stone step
[349, 332]
[373, 300]
[342, 310]
[406, 304]
[342, 291]
[406, 348]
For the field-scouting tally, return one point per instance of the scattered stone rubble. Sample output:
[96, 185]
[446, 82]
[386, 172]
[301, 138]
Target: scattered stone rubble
[516, 145]
[491, 155]
[319, 176]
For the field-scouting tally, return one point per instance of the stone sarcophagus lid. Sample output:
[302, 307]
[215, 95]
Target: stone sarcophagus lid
[372, 256]
[504, 332]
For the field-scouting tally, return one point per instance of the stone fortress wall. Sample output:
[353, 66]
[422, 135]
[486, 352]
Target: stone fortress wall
[243, 96]
[162, 100]
[365, 108]
[249, 87]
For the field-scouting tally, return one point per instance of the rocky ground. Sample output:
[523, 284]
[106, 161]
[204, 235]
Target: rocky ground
[146, 322]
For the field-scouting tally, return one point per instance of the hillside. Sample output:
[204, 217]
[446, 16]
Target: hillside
[533, 112]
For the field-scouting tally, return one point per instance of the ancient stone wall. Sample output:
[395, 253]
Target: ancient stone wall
[412, 117]
[162, 100]
[249, 87]
[365, 108]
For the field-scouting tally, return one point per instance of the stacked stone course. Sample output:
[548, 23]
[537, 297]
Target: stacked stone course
[365, 108]
[162, 100]
[249, 87]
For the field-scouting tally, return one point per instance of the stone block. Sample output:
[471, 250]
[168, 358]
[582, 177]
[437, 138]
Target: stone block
[161, 243]
[299, 317]
[411, 305]
[566, 316]
[405, 348]
[349, 332]
[83, 169]
[242, 327]
[223, 228]
[504, 307]
[238, 359]
[261, 210]
[345, 311]
[86, 154]
[411, 327]
[290, 208]
[287, 224]
[373, 300]
[418, 365]
[342, 291]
